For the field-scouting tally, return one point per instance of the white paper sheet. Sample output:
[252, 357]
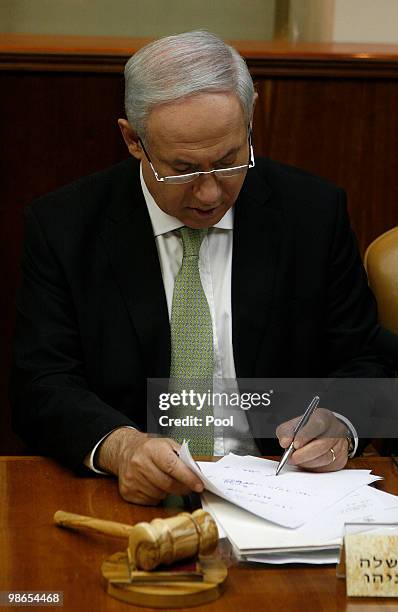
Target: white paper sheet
[290, 499]
[251, 534]
[324, 557]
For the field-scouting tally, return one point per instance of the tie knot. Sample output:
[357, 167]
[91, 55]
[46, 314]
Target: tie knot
[191, 240]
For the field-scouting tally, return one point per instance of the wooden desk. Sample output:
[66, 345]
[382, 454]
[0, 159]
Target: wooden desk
[36, 556]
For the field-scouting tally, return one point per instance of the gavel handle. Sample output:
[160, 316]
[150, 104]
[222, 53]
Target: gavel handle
[78, 522]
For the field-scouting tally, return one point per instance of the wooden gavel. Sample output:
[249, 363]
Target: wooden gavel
[162, 541]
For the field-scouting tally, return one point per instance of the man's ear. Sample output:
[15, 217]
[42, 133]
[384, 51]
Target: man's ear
[131, 139]
[255, 98]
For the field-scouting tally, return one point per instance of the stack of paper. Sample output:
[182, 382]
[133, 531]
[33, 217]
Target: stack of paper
[294, 517]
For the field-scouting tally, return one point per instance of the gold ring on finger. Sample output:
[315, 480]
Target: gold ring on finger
[333, 455]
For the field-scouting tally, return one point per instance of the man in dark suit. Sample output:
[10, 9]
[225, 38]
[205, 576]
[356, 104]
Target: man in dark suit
[283, 292]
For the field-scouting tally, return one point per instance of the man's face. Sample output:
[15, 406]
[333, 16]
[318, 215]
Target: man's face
[201, 133]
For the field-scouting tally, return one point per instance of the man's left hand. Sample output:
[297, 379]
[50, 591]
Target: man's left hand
[320, 446]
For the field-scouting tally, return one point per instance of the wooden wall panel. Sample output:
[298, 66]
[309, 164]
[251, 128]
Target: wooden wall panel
[55, 127]
[332, 110]
[345, 130]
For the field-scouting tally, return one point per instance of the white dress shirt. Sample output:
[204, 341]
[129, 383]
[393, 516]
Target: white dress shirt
[215, 266]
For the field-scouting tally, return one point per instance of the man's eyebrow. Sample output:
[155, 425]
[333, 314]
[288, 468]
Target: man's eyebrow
[184, 162]
[228, 154]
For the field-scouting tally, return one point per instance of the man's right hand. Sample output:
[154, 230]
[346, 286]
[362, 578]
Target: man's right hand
[148, 468]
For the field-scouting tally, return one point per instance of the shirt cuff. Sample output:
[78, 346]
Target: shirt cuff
[352, 430]
[89, 459]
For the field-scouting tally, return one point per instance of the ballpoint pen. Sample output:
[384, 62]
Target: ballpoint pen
[303, 421]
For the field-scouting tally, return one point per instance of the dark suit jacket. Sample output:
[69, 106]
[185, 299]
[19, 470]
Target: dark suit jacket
[92, 321]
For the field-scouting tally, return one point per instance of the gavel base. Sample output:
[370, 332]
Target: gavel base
[118, 582]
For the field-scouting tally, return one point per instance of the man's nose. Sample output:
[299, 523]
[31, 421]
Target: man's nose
[207, 189]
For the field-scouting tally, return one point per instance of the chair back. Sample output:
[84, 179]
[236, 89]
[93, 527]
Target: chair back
[381, 263]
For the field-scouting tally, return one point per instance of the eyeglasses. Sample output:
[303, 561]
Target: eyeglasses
[180, 179]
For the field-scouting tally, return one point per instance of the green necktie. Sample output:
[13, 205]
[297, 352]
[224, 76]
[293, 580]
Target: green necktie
[192, 343]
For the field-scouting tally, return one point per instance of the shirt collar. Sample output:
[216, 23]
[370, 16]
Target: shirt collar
[163, 223]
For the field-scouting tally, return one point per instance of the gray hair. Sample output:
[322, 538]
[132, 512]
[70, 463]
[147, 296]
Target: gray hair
[183, 65]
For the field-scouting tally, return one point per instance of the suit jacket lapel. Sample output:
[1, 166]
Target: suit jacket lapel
[132, 251]
[257, 235]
